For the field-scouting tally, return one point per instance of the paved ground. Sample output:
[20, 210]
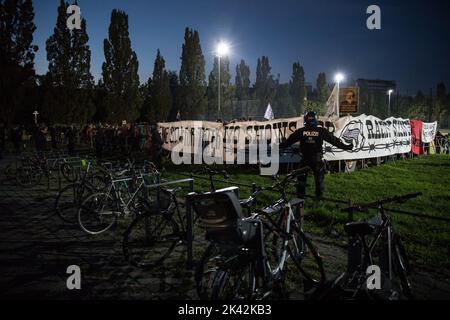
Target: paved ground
[36, 248]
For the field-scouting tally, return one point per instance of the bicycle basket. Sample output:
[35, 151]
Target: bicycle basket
[151, 179]
[248, 230]
[219, 214]
[159, 199]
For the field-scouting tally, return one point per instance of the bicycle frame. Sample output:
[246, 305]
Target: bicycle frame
[385, 227]
[287, 219]
[112, 190]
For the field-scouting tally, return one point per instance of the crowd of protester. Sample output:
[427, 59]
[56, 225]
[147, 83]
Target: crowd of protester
[104, 138]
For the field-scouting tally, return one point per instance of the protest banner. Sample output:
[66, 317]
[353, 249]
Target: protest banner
[429, 131]
[371, 137]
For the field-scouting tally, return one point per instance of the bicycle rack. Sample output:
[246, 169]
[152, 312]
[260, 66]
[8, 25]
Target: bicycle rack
[189, 214]
[76, 163]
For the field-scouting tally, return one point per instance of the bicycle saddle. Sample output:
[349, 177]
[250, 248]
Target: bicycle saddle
[280, 206]
[359, 228]
[248, 203]
[173, 191]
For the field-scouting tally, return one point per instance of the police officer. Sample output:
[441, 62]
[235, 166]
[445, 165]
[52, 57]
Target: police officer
[311, 138]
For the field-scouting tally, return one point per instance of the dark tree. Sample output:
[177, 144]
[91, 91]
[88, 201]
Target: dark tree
[323, 92]
[17, 53]
[59, 51]
[226, 91]
[242, 81]
[298, 88]
[158, 101]
[418, 107]
[81, 57]
[192, 78]
[283, 106]
[265, 84]
[69, 82]
[59, 81]
[120, 71]
[174, 85]
[440, 107]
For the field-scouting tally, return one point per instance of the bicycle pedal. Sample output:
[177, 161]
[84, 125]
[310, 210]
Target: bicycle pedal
[262, 295]
[267, 295]
[394, 296]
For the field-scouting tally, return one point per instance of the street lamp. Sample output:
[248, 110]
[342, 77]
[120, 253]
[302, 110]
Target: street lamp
[222, 50]
[389, 104]
[339, 77]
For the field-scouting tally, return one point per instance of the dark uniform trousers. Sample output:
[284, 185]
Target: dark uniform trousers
[318, 169]
[311, 140]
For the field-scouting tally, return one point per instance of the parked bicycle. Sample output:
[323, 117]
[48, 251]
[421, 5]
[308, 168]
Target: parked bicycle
[31, 169]
[253, 252]
[71, 196]
[385, 251]
[152, 236]
[123, 197]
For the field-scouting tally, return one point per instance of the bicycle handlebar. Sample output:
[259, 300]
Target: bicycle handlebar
[280, 186]
[374, 205]
[211, 172]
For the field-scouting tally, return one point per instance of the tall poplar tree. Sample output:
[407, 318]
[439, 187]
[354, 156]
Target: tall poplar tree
[226, 91]
[323, 91]
[120, 72]
[298, 88]
[158, 101]
[192, 78]
[17, 53]
[265, 86]
[69, 82]
[242, 81]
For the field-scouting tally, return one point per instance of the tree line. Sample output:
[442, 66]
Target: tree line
[68, 94]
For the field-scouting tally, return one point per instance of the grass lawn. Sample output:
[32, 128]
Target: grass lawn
[427, 241]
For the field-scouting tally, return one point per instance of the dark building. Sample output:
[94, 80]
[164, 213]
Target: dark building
[374, 97]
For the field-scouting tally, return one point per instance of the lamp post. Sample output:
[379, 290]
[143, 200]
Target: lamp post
[389, 103]
[339, 77]
[222, 50]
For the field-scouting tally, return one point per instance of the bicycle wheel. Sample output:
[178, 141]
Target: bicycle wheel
[273, 242]
[306, 258]
[150, 239]
[69, 173]
[9, 171]
[234, 281]
[99, 182]
[69, 200]
[402, 268]
[27, 176]
[98, 213]
[206, 269]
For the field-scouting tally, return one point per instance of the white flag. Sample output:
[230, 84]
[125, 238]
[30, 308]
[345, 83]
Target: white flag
[333, 105]
[269, 113]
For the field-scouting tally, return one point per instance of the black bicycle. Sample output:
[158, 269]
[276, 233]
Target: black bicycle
[247, 257]
[155, 233]
[384, 252]
[71, 196]
[33, 168]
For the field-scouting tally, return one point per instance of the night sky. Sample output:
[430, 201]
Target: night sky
[412, 48]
